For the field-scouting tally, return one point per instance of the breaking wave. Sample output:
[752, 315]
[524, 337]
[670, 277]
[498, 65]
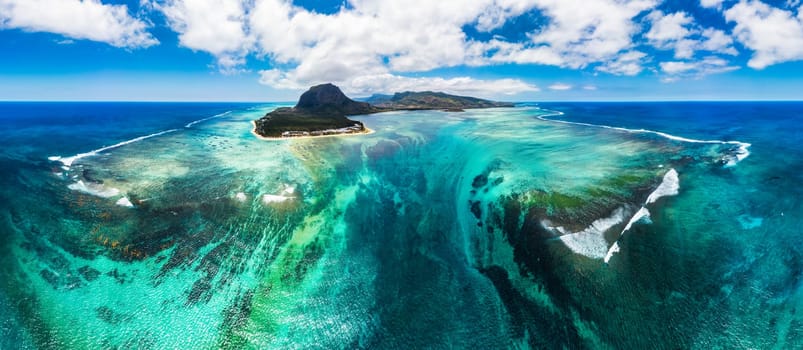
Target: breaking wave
[191, 124]
[68, 161]
[740, 153]
[668, 187]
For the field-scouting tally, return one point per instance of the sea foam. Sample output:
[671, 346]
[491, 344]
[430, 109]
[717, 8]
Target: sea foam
[591, 241]
[125, 202]
[94, 189]
[740, 153]
[285, 195]
[670, 185]
[68, 161]
[191, 124]
[272, 198]
[641, 213]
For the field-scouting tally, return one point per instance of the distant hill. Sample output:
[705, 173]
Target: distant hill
[431, 100]
[375, 98]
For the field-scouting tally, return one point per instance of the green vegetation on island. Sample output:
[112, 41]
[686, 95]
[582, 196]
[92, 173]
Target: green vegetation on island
[323, 109]
[320, 111]
[427, 100]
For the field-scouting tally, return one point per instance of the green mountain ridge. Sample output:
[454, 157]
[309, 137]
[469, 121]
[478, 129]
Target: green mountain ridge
[431, 100]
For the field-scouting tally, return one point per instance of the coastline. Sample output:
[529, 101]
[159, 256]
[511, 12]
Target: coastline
[367, 129]
[267, 138]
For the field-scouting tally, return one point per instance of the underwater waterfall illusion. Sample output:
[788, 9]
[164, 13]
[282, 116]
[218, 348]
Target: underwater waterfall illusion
[498, 228]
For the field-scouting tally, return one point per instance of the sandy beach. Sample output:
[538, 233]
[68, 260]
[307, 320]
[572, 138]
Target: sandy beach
[253, 131]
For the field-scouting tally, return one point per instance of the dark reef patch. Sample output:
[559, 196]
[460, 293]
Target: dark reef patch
[542, 328]
[90, 274]
[480, 181]
[108, 315]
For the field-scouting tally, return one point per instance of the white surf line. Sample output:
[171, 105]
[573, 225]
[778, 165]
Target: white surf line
[741, 154]
[68, 161]
[590, 241]
[190, 124]
[670, 184]
[669, 187]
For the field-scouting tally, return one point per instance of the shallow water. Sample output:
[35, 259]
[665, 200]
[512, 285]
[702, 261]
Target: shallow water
[489, 228]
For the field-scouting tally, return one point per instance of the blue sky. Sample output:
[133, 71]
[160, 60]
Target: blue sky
[523, 50]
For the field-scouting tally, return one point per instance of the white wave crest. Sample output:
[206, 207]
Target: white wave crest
[68, 161]
[611, 251]
[94, 189]
[125, 202]
[591, 241]
[285, 195]
[740, 154]
[670, 186]
[641, 213]
[191, 124]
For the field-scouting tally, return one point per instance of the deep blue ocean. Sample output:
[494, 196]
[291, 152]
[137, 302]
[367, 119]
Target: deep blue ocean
[515, 227]
[770, 126]
[33, 129]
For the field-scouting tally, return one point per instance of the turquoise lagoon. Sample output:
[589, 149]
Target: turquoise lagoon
[542, 226]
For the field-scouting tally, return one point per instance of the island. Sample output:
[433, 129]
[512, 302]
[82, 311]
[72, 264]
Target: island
[320, 111]
[323, 110]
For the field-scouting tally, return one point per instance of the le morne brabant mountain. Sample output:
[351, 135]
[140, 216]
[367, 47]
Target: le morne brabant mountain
[323, 110]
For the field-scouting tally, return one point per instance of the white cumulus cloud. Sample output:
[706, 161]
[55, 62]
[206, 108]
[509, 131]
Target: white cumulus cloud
[629, 63]
[579, 33]
[675, 70]
[560, 87]
[710, 3]
[774, 35]
[677, 67]
[376, 40]
[374, 45]
[389, 83]
[77, 19]
[213, 26]
[679, 32]
[671, 27]
[382, 43]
